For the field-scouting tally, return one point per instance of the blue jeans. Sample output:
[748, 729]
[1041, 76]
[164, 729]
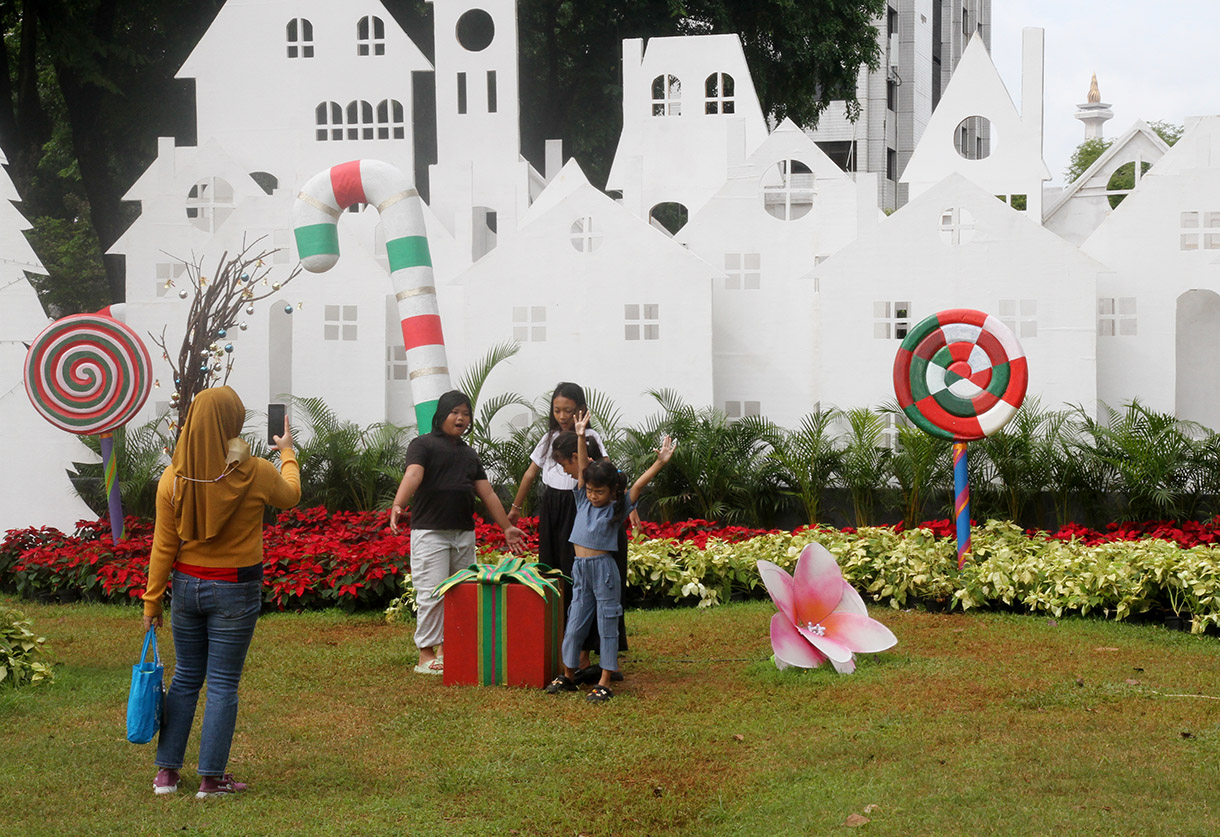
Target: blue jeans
[213, 622]
[595, 595]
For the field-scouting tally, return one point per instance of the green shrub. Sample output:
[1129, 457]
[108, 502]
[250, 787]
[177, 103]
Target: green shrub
[22, 652]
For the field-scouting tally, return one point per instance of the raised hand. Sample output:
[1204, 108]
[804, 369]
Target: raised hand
[581, 423]
[666, 451]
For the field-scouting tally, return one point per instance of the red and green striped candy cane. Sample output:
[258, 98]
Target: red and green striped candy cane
[315, 219]
[960, 375]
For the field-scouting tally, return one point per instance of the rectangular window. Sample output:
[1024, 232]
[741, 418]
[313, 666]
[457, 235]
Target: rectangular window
[890, 438]
[461, 92]
[1116, 317]
[339, 322]
[1021, 316]
[891, 94]
[529, 323]
[891, 21]
[396, 363]
[891, 320]
[891, 164]
[642, 322]
[168, 274]
[742, 271]
[740, 409]
[1199, 231]
[491, 91]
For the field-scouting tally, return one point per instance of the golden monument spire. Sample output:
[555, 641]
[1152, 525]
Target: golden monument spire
[1094, 92]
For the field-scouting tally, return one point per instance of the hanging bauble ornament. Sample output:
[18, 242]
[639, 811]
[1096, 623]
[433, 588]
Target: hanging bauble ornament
[242, 326]
[287, 309]
[250, 308]
[220, 332]
[245, 277]
[275, 286]
[228, 347]
[182, 294]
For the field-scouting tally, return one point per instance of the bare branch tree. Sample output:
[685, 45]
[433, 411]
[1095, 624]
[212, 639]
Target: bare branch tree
[217, 305]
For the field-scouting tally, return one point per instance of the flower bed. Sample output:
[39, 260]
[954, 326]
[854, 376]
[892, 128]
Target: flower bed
[310, 559]
[351, 560]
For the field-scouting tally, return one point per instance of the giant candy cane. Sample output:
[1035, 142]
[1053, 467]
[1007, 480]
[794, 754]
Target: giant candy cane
[315, 218]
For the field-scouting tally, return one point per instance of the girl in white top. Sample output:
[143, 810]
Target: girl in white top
[557, 511]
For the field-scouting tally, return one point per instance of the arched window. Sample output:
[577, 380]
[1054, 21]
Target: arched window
[359, 120]
[666, 96]
[300, 38]
[370, 36]
[266, 180]
[209, 203]
[390, 120]
[718, 90]
[329, 118]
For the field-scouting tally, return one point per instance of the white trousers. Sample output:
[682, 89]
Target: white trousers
[436, 554]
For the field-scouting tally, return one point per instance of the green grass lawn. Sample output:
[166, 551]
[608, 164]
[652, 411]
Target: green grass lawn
[972, 724]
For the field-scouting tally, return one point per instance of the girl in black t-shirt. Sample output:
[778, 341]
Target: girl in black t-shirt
[444, 475]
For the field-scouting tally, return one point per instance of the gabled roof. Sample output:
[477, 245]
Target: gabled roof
[254, 26]
[1117, 148]
[976, 89]
[570, 195]
[993, 221]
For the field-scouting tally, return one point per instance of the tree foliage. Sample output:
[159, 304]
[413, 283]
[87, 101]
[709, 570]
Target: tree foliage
[89, 88]
[1087, 152]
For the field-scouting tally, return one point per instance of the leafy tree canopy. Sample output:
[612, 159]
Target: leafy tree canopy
[1087, 152]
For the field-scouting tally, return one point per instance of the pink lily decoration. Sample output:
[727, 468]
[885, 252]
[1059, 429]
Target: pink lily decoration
[821, 617]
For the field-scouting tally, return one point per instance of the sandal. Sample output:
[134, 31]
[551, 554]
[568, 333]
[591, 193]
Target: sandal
[599, 694]
[562, 683]
[437, 666]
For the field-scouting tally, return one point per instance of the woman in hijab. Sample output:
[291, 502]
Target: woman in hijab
[444, 475]
[209, 535]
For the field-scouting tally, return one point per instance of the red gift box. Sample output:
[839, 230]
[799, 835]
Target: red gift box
[500, 634]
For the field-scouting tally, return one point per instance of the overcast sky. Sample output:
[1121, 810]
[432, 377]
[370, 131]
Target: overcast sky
[1150, 59]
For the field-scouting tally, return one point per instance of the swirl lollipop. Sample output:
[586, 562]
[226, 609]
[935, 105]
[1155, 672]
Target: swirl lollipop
[960, 375]
[88, 374]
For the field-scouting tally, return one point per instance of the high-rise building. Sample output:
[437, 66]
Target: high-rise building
[921, 42]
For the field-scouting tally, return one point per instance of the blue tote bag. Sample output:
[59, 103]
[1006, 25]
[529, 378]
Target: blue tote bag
[147, 691]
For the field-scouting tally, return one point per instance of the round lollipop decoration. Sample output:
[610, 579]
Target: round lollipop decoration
[88, 374]
[960, 375]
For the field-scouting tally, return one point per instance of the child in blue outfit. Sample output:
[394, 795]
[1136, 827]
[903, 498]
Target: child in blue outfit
[602, 504]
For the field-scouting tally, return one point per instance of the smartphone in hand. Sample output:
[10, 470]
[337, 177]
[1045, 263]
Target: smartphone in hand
[275, 422]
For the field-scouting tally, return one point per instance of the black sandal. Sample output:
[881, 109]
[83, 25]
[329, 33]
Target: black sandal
[562, 683]
[599, 694]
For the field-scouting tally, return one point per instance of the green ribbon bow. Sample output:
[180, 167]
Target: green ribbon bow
[513, 568]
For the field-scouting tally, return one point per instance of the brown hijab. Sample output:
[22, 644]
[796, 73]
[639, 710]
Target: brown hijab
[211, 464]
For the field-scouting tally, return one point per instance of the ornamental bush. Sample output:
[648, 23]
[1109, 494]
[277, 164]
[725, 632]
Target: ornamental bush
[351, 560]
[22, 652]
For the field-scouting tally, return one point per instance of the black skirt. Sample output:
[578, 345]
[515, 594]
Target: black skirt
[556, 515]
